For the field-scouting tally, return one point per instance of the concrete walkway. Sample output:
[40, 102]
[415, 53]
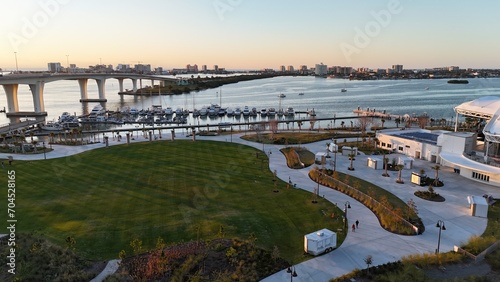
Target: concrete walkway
[370, 238]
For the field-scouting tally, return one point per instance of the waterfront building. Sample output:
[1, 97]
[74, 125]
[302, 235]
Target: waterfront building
[140, 68]
[468, 154]
[54, 67]
[397, 68]
[320, 69]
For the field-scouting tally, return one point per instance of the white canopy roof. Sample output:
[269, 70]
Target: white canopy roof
[487, 107]
[484, 107]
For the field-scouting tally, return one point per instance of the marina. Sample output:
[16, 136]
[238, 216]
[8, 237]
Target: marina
[249, 102]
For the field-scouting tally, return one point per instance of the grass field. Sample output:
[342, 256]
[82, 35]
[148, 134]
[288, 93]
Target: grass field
[179, 191]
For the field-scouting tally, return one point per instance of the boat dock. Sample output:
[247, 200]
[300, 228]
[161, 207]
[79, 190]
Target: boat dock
[373, 113]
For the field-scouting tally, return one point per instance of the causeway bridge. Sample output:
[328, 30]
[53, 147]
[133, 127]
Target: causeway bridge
[36, 82]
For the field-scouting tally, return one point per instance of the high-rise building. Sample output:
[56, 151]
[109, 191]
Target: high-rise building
[282, 68]
[216, 68]
[54, 67]
[321, 69]
[397, 68]
[290, 68]
[204, 68]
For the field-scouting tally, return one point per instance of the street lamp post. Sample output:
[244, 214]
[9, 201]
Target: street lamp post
[17, 68]
[44, 156]
[335, 155]
[292, 273]
[347, 205]
[440, 225]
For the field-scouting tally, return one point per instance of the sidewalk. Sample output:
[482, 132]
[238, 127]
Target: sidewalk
[370, 238]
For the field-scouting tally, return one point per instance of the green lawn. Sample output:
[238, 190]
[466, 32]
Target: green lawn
[179, 191]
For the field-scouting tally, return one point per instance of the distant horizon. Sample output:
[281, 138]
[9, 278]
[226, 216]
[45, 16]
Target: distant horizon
[250, 35]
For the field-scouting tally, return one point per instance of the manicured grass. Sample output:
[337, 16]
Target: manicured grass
[179, 191]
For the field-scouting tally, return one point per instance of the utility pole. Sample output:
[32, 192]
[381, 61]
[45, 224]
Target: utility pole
[15, 55]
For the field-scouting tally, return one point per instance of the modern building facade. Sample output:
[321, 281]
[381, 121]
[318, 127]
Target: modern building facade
[468, 155]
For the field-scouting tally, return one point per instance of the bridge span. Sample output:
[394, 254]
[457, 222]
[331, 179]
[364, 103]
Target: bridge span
[36, 82]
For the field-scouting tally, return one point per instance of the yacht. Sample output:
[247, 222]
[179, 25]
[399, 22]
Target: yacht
[246, 111]
[53, 126]
[178, 112]
[271, 112]
[133, 111]
[203, 111]
[263, 112]
[282, 95]
[97, 110]
[280, 112]
[237, 112]
[290, 111]
[229, 112]
[169, 111]
[343, 90]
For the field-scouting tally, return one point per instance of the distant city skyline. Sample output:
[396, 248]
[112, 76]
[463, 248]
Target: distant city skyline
[244, 34]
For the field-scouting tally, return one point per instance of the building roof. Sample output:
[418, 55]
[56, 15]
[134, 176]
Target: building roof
[424, 137]
[484, 107]
[487, 107]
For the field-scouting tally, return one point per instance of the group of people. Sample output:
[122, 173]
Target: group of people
[355, 226]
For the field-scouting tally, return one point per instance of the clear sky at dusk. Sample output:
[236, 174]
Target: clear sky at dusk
[250, 34]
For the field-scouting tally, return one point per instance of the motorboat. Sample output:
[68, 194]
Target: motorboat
[343, 90]
[97, 110]
[53, 126]
[237, 112]
[229, 112]
[271, 112]
[246, 111]
[290, 111]
[282, 95]
[204, 111]
[263, 112]
[169, 111]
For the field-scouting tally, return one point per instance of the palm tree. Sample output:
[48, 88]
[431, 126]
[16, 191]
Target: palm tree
[351, 158]
[299, 124]
[436, 179]
[397, 121]
[399, 167]
[34, 142]
[52, 135]
[386, 164]
[4, 138]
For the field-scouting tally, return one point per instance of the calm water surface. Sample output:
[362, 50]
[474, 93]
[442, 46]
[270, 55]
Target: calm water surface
[434, 97]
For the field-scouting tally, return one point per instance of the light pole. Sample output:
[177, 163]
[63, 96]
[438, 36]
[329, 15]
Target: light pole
[292, 273]
[335, 155]
[67, 63]
[44, 156]
[17, 68]
[347, 205]
[440, 225]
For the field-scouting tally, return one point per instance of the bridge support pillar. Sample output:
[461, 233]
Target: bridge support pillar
[37, 92]
[12, 102]
[152, 83]
[101, 83]
[120, 84]
[84, 95]
[134, 84]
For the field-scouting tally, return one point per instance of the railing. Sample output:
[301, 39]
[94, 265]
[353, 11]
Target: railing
[358, 195]
[482, 255]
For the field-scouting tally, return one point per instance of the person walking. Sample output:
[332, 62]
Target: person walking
[357, 223]
[353, 228]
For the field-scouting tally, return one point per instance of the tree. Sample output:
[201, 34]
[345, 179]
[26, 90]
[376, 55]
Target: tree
[412, 208]
[436, 179]
[364, 122]
[399, 168]
[299, 124]
[397, 121]
[369, 261]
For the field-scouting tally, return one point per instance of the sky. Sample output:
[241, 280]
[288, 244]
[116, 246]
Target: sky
[250, 34]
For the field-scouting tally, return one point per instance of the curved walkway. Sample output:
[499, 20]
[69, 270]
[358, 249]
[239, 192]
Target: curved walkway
[370, 238]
